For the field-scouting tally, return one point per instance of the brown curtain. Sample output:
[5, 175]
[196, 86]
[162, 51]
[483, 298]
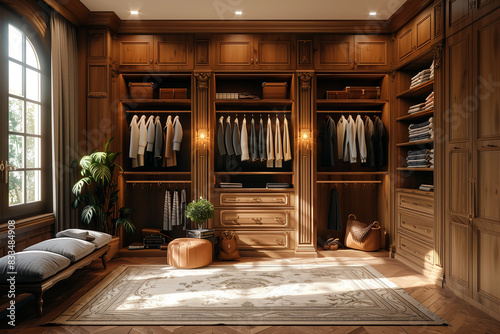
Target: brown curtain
[64, 64]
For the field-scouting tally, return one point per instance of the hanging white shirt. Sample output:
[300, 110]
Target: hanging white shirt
[143, 140]
[278, 155]
[269, 144]
[134, 140]
[341, 127]
[244, 141]
[287, 152]
[360, 133]
[177, 134]
[151, 133]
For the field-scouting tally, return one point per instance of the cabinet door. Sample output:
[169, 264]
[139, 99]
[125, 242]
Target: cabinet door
[334, 52]
[371, 52]
[458, 15]
[233, 51]
[483, 7]
[424, 23]
[173, 52]
[274, 51]
[405, 43]
[135, 52]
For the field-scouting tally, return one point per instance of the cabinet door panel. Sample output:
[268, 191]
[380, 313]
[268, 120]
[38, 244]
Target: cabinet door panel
[423, 31]
[458, 171]
[233, 51]
[458, 15]
[483, 7]
[487, 192]
[459, 247]
[334, 52]
[405, 44]
[487, 270]
[174, 52]
[136, 52]
[273, 51]
[458, 79]
[371, 51]
[487, 76]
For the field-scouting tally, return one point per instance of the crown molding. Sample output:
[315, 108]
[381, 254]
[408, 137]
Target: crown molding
[73, 10]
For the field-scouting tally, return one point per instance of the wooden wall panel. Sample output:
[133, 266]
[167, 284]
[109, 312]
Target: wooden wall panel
[459, 246]
[488, 252]
[488, 184]
[98, 81]
[424, 31]
[97, 48]
[459, 181]
[405, 44]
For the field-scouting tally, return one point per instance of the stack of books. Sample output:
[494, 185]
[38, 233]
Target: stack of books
[426, 187]
[271, 185]
[204, 233]
[153, 241]
[226, 96]
[231, 185]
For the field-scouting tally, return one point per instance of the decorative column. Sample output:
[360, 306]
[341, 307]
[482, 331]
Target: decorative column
[306, 238]
[201, 136]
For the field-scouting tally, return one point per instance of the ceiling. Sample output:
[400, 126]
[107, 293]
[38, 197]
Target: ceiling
[252, 9]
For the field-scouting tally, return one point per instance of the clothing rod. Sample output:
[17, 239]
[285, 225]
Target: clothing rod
[341, 182]
[349, 111]
[157, 182]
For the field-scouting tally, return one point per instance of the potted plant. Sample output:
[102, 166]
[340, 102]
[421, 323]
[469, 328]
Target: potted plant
[200, 211]
[96, 192]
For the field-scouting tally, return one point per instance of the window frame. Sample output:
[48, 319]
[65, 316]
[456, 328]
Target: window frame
[45, 203]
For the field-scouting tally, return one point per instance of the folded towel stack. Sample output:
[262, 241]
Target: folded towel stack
[416, 108]
[429, 101]
[423, 76]
[420, 158]
[421, 131]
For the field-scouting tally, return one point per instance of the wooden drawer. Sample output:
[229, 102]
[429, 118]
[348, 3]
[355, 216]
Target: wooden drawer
[416, 202]
[254, 218]
[272, 240]
[420, 252]
[419, 224]
[253, 199]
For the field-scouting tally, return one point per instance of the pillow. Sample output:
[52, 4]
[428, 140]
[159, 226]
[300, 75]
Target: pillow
[33, 266]
[99, 239]
[73, 249]
[75, 233]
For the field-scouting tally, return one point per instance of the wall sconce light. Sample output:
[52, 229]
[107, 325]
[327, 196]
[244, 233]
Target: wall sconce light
[305, 138]
[202, 138]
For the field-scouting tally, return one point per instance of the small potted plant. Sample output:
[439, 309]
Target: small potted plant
[200, 211]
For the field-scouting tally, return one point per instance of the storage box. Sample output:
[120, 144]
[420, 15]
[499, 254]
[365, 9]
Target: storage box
[363, 92]
[141, 90]
[173, 93]
[336, 94]
[274, 90]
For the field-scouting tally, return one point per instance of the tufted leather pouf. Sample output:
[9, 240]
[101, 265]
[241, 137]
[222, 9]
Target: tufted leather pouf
[189, 253]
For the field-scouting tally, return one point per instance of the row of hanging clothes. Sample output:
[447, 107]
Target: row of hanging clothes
[349, 139]
[174, 208]
[259, 143]
[154, 144]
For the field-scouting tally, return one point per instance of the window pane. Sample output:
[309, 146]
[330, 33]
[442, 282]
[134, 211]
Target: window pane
[16, 115]
[16, 151]
[32, 118]
[32, 186]
[31, 58]
[32, 85]
[32, 152]
[15, 43]
[16, 188]
[15, 79]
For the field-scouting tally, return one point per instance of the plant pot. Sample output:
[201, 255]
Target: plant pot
[114, 248]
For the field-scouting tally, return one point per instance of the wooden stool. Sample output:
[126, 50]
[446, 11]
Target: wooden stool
[189, 253]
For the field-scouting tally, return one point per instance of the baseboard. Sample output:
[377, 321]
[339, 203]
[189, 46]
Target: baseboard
[434, 273]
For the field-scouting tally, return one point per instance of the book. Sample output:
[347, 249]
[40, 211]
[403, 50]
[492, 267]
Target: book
[136, 245]
[152, 246]
[199, 233]
[153, 239]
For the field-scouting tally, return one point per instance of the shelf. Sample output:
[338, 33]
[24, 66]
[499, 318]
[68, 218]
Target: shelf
[415, 169]
[349, 75]
[420, 90]
[134, 103]
[352, 173]
[349, 182]
[253, 190]
[415, 191]
[417, 115]
[262, 102]
[349, 111]
[134, 111]
[417, 143]
[253, 173]
[159, 173]
[253, 111]
[351, 102]
[157, 181]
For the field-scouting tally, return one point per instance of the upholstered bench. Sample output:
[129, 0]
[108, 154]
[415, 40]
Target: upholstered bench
[40, 266]
[189, 253]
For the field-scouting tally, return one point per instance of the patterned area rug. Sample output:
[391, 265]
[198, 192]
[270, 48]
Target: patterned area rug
[247, 295]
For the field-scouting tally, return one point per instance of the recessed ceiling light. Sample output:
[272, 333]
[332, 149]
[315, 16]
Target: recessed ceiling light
[134, 12]
[373, 13]
[238, 12]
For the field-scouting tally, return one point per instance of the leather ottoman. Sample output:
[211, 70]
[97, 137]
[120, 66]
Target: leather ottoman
[189, 253]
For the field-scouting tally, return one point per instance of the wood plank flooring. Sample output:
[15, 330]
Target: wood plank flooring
[462, 317]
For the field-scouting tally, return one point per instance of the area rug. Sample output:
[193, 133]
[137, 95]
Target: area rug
[247, 295]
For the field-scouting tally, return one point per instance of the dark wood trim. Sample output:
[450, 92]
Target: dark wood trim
[73, 10]
[28, 224]
[36, 15]
[405, 13]
[104, 19]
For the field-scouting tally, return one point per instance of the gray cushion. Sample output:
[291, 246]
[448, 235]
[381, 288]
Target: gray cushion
[73, 249]
[33, 266]
[75, 233]
[100, 238]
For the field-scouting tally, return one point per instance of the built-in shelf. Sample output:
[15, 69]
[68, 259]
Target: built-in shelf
[422, 89]
[353, 173]
[415, 191]
[156, 181]
[159, 173]
[417, 115]
[254, 173]
[133, 111]
[349, 111]
[253, 190]
[351, 102]
[253, 111]
[415, 169]
[135, 103]
[417, 143]
[349, 182]
[254, 103]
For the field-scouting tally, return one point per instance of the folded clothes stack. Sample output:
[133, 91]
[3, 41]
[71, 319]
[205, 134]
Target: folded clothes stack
[421, 158]
[429, 101]
[426, 187]
[231, 185]
[421, 131]
[416, 108]
[423, 76]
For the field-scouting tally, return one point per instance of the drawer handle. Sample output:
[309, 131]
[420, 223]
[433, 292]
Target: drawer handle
[403, 245]
[279, 220]
[280, 242]
[258, 200]
[257, 220]
[233, 221]
[280, 200]
[403, 222]
[232, 199]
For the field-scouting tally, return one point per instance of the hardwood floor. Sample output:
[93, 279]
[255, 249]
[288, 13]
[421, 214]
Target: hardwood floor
[462, 317]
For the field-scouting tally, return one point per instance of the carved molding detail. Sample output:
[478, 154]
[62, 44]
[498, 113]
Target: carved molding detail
[202, 79]
[305, 80]
[438, 19]
[438, 55]
[202, 53]
[305, 52]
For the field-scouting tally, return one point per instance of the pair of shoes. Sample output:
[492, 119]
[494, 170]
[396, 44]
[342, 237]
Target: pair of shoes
[332, 244]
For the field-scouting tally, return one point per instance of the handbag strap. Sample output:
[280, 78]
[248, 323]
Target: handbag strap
[352, 217]
[376, 224]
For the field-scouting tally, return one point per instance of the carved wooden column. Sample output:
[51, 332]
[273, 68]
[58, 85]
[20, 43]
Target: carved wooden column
[201, 128]
[306, 234]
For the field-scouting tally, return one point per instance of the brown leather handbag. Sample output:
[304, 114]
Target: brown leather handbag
[228, 243]
[361, 236]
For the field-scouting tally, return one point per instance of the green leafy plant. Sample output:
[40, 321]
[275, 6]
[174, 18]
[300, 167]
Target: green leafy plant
[97, 192]
[199, 211]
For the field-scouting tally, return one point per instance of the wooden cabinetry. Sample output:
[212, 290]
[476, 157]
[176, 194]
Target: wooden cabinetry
[155, 52]
[372, 52]
[461, 13]
[248, 51]
[472, 134]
